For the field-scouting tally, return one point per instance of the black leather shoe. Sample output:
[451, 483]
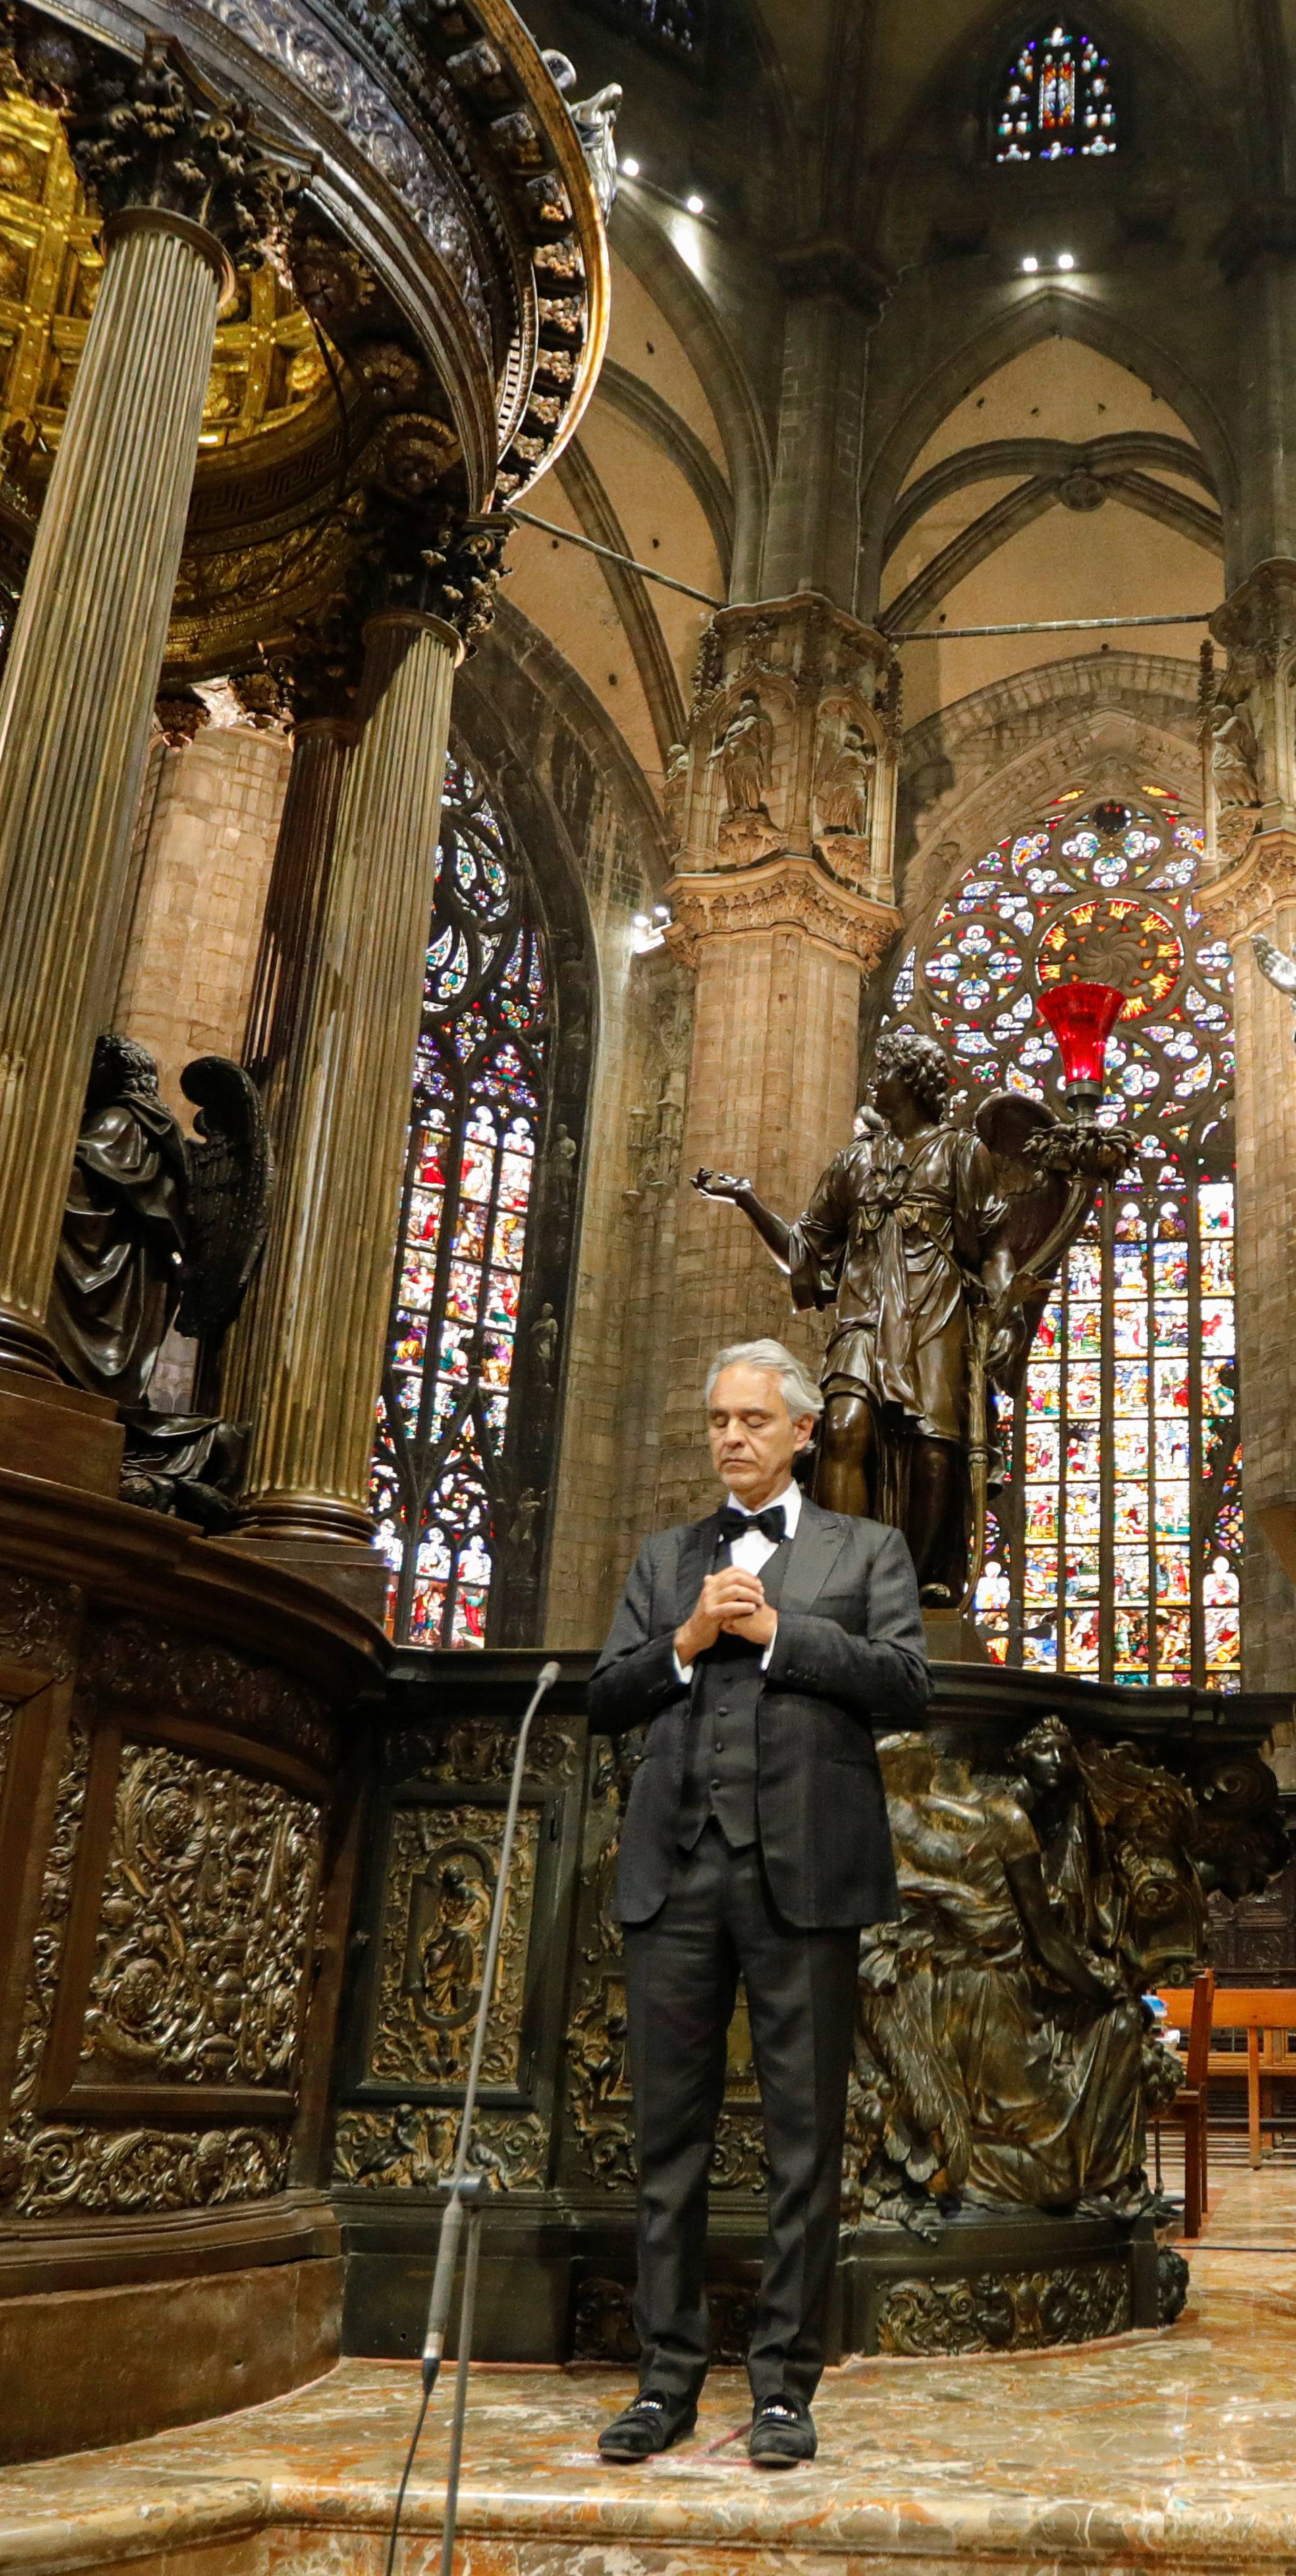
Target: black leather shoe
[649, 2423]
[782, 2433]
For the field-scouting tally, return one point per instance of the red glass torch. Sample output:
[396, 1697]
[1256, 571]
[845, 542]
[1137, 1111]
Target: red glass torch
[1082, 1017]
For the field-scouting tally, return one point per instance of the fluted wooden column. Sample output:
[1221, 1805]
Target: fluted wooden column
[278, 1021]
[75, 708]
[310, 1369]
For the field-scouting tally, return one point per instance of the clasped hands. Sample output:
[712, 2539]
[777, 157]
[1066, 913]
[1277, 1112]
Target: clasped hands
[731, 1603]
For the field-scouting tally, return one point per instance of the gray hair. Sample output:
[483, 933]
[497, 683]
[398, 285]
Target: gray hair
[800, 1394]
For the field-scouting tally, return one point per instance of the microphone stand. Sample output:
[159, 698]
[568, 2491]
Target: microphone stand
[466, 2191]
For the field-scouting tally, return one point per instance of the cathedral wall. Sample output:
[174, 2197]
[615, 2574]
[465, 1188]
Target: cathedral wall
[192, 941]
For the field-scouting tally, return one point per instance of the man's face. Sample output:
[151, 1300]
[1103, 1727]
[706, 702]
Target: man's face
[753, 1436]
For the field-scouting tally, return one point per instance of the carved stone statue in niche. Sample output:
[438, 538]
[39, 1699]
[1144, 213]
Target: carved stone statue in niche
[913, 1227]
[1232, 753]
[844, 785]
[1004, 2058]
[745, 751]
[159, 1228]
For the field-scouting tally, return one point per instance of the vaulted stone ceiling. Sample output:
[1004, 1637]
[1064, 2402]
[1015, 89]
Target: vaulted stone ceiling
[1035, 445]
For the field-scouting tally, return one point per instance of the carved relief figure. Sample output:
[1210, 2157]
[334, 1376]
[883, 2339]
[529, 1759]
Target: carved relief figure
[452, 1903]
[745, 751]
[844, 785]
[1001, 2050]
[1234, 752]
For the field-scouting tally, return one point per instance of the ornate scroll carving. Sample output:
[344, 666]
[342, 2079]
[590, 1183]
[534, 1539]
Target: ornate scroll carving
[154, 133]
[296, 38]
[440, 1886]
[201, 1953]
[471, 1754]
[38, 1619]
[603, 2323]
[406, 2147]
[1006, 2311]
[137, 1669]
[118, 2171]
[778, 894]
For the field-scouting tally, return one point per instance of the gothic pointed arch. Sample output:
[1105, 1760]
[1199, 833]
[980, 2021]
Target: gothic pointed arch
[1044, 313]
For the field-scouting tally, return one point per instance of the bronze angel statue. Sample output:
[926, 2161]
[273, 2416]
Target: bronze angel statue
[936, 1243]
[160, 1228]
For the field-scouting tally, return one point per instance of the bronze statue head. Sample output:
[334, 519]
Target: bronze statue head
[1047, 1754]
[117, 1067]
[915, 1063]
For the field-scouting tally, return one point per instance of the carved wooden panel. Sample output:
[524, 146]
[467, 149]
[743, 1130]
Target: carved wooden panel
[182, 1992]
[441, 1874]
[201, 1946]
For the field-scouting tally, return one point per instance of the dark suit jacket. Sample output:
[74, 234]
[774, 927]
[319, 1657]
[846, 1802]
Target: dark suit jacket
[849, 1649]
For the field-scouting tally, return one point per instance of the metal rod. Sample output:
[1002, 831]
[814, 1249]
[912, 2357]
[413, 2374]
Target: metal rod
[610, 555]
[467, 2305]
[452, 2223]
[1045, 625]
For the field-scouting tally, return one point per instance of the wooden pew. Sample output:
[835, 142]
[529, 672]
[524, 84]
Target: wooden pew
[1264, 2013]
[1189, 2009]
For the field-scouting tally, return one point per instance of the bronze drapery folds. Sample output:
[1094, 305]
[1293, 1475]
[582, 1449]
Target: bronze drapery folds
[160, 1228]
[1005, 2058]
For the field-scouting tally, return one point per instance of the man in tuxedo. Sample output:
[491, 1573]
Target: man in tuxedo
[759, 1646]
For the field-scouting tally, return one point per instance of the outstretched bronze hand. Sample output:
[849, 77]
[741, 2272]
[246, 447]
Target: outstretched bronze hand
[720, 1185]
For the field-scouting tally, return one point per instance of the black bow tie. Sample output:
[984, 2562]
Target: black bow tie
[772, 1523]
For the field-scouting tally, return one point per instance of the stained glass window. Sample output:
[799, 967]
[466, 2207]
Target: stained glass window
[1056, 100]
[1115, 1544]
[438, 1481]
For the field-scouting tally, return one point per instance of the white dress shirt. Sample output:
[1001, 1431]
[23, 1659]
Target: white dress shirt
[751, 1549]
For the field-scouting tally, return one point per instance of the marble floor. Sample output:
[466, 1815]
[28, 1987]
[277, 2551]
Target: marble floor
[1175, 2451]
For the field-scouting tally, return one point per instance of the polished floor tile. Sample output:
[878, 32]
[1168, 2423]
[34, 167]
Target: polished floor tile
[1176, 2447]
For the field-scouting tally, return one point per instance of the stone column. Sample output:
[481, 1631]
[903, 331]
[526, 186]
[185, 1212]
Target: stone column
[315, 1349]
[1259, 894]
[312, 1366]
[178, 182]
[812, 532]
[782, 904]
[1249, 884]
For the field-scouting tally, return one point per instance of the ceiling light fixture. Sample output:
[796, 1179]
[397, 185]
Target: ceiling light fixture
[630, 166]
[696, 205]
[1030, 264]
[1066, 259]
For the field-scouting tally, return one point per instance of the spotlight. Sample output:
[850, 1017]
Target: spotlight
[641, 921]
[630, 167]
[661, 912]
[1065, 259]
[696, 205]
[1030, 264]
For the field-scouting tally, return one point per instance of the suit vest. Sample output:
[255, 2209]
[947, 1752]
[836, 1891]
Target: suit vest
[720, 1764]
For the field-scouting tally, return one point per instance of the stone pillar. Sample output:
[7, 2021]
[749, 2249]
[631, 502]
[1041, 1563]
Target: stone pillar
[782, 904]
[177, 182]
[1259, 893]
[812, 532]
[1257, 253]
[315, 1350]
[192, 949]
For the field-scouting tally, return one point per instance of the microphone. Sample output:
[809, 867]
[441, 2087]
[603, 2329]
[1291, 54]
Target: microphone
[461, 2187]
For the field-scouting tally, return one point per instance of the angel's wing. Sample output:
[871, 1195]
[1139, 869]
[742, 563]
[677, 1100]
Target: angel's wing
[1034, 1197]
[231, 1179]
[1276, 967]
[897, 2025]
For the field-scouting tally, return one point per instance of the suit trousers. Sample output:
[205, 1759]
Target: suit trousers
[682, 1969]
